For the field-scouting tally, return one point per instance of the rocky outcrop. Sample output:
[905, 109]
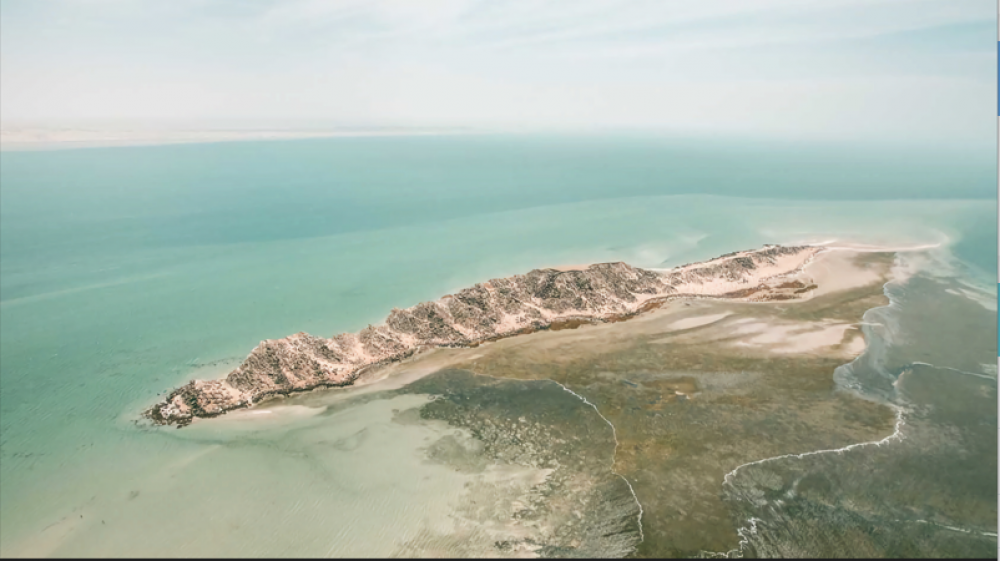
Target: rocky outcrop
[541, 299]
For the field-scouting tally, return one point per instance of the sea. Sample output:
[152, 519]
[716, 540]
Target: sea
[127, 271]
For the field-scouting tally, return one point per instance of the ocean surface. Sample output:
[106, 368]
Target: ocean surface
[126, 271]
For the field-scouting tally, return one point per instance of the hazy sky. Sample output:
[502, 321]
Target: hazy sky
[886, 68]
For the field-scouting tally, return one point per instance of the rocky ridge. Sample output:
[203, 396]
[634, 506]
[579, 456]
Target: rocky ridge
[540, 299]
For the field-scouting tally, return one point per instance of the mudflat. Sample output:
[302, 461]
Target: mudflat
[700, 387]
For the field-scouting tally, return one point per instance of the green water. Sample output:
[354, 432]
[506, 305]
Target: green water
[126, 271]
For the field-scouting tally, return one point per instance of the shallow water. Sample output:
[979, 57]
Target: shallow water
[927, 490]
[328, 481]
[126, 271]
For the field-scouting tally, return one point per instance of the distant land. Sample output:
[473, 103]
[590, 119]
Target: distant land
[41, 138]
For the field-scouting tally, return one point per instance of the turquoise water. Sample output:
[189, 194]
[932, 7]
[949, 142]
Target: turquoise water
[126, 271]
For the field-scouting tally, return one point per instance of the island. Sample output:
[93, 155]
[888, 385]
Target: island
[539, 300]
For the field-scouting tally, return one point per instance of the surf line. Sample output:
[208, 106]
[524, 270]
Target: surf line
[983, 376]
[751, 530]
[744, 533]
[614, 457]
[897, 434]
[952, 528]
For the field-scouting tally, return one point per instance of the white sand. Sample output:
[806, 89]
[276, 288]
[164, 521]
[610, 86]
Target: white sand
[856, 345]
[835, 245]
[784, 265]
[696, 321]
[834, 271]
[788, 337]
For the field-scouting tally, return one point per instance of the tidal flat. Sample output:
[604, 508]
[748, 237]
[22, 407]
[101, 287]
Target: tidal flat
[689, 405]
[711, 401]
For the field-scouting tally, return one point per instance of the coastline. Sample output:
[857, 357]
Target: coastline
[27, 140]
[507, 307]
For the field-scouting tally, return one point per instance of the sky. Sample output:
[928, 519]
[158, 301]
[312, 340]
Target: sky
[828, 68]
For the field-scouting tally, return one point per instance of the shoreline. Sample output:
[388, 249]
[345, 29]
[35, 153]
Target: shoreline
[301, 362]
